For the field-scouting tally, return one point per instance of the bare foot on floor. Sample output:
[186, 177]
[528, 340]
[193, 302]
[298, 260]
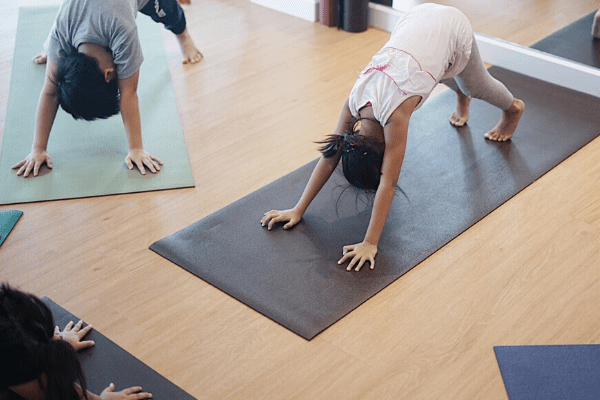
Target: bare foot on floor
[596, 25]
[190, 53]
[40, 58]
[508, 123]
[460, 116]
[184, 1]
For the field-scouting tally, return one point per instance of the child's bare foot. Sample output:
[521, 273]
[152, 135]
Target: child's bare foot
[461, 115]
[40, 58]
[596, 25]
[508, 123]
[184, 1]
[190, 53]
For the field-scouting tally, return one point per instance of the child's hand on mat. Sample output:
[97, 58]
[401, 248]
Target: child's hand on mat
[73, 334]
[140, 157]
[34, 161]
[272, 217]
[128, 394]
[359, 253]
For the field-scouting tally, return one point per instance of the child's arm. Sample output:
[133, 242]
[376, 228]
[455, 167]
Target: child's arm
[318, 178]
[44, 118]
[130, 111]
[395, 132]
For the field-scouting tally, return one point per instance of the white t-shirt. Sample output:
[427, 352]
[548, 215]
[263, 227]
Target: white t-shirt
[108, 23]
[429, 43]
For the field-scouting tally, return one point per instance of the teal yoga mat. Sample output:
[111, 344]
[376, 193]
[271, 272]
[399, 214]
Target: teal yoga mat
[88, 157]
[8, 220]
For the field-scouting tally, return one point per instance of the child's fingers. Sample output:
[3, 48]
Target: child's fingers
[157, 160]
[28, 167]
[267, 217]
[78, 326]
[141, 167]
[290, 224]
[150, 164]
[36, 168]
[128, 162]
[353, 262]
[345, 257]
[132, 390]
[85, 331]
[85, 344]
[19, 164]
[274, 221]
[360, 264]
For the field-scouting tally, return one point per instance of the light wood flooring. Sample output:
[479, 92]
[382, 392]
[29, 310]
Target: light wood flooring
[270, 85]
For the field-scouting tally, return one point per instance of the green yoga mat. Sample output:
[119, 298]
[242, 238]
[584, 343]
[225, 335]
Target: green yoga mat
[8, 220]
[88, 157]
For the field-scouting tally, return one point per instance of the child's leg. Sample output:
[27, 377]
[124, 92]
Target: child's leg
[596, 25]
[460, 116]
[475, 81]
[170, 14]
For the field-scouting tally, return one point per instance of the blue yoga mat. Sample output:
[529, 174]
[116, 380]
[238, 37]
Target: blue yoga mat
[559, 372]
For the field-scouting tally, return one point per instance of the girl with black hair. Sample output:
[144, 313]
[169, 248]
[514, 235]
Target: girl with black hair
[429, 43]
[37, 359]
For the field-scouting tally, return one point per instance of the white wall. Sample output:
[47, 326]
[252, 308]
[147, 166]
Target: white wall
[305, 9]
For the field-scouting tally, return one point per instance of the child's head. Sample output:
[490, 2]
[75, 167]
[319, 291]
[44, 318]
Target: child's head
[361, 154]
[82, 88]
[26, 343]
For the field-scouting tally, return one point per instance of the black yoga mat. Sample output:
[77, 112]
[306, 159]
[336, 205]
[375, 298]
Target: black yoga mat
[574, 42]
[550, 372]
[452, 177]
[106, 363]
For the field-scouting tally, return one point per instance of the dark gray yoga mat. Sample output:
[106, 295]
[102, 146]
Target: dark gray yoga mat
[574, 42]
[452, 177]
[106, 363]
[556, 372]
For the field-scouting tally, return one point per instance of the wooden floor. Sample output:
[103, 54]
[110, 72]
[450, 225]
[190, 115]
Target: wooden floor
[269, 86]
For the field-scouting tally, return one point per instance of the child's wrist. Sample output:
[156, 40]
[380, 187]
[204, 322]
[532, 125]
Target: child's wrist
[370, 243]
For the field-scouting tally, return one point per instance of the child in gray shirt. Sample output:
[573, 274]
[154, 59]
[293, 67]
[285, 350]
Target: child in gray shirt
[93, 60]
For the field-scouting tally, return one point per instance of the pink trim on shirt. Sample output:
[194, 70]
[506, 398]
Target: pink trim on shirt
[380, 68]
[413, 57]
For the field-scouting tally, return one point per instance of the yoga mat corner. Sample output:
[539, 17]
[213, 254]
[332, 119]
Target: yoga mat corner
[8, 220]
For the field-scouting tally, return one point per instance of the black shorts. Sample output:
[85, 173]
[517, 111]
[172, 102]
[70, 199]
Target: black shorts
[167, 12]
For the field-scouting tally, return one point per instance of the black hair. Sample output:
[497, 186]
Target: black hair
[361, 157]
[82, 89]
[29, 326]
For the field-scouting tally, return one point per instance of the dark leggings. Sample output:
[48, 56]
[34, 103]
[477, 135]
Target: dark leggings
[167, 12]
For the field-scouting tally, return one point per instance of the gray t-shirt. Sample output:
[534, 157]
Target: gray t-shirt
[109, 23]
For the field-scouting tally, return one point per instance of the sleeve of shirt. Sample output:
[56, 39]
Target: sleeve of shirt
[127, 53]
[53, 44]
